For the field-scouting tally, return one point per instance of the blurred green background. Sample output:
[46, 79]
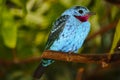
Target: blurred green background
[24, 28]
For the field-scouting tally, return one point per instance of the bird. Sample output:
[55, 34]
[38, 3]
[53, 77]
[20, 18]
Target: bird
[68, 34]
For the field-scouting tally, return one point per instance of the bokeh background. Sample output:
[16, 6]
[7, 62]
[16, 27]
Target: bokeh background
[24, 28]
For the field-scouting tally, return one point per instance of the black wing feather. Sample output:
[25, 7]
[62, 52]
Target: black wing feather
[57, 28]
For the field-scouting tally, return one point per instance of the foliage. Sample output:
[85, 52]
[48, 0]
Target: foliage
[25, 25]
[116, 37]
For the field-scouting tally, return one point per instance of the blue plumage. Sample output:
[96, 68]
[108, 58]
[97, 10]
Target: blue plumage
[72, 36]
[68, 33]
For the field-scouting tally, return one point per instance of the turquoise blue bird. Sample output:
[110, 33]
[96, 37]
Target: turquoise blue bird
[68, 33]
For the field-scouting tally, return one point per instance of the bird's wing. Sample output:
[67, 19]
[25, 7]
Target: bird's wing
[57, 28]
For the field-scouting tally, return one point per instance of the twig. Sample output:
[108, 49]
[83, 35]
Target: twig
[116, 2]
[80, 74]
[102, 30]
[62, 56]
[15, 58]
[19, 61]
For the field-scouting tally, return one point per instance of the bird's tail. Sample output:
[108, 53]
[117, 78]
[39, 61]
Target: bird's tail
[39, 71]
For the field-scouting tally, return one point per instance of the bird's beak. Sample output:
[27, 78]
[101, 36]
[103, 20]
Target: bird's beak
[90, 13]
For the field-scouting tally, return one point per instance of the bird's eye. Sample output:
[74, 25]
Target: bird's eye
[80, 11]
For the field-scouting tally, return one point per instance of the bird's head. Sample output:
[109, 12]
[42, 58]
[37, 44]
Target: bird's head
[79, 12]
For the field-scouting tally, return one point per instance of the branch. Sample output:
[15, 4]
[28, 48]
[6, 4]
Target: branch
[116, 2]
[82, 58]
[103, 30]
[19, 61]
[62, 56]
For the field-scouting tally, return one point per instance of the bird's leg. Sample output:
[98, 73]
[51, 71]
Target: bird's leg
[70, 52]
[68, 58]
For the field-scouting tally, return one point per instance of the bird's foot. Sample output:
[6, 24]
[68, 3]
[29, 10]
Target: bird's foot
[69, 58]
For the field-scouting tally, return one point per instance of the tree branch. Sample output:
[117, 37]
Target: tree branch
[82, 58]
[103, 30]
[63, 56]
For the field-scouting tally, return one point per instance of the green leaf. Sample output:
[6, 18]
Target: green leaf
[8, 29]
[116, 37]
[114, 12]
